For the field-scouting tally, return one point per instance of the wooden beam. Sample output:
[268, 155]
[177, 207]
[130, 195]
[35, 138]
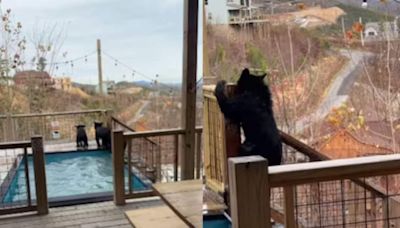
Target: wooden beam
[249, 192]
[58, 113]
[15, 145]
[117, 141]
[297, 174]
[191, 10]
[206, 68]
[166, 132]
[40, 175]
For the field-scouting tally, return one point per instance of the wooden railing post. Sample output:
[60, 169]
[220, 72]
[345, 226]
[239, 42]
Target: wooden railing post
[117, 140]
[40, 175]
[289, 193]
[249, 192]
[108, 116]
[385, 210]
[198, 155]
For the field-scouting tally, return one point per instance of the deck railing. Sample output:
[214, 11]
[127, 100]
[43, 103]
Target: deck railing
[222, 140]
[318, 194]
[54, 127]
[23, 183]
[153, 153]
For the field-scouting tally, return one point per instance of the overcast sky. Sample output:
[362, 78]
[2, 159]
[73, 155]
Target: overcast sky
[146, 35]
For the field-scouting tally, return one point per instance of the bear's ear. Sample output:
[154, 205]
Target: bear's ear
[245, 72]
[263, 76]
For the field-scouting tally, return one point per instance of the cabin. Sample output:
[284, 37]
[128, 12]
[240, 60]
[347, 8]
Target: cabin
[35, 79]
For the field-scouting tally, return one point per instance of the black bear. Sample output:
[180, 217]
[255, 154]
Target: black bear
[251, 107]
[103, 134]
[81, 137]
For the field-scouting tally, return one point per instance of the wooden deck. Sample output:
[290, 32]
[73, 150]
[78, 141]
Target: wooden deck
[104, 214]
[184, 198]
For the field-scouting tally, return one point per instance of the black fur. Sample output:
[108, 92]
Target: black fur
[251, 107]
[81, 137]
[103, 134]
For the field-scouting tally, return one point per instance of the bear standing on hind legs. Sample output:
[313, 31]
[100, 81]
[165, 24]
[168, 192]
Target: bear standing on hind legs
[251, 108]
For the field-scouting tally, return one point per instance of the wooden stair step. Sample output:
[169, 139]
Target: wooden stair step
[155, 217]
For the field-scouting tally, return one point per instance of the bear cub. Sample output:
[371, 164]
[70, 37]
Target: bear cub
[103, 135]
[81, 137]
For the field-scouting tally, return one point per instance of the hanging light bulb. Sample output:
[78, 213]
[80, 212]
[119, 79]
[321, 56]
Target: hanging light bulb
[115, 64]
[86, 58]
[364, 4]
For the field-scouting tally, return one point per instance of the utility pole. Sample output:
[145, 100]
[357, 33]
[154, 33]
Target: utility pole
[272, 7]
[99, 66]
[157, 96]
[362, 32]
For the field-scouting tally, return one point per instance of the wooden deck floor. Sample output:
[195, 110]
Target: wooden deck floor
[104, 214]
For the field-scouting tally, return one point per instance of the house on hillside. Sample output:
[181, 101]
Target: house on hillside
[375, 31]
[35, 79]
[64, 84]
[108, 87]
[374, 139]
[227, 11]
[6, 81]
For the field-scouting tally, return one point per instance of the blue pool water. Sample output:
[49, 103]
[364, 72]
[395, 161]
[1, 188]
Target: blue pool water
[70, 174]
[216, 221]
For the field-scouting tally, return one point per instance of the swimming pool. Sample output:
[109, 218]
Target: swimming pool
[71, 175]
[223, 221]
[216, 221]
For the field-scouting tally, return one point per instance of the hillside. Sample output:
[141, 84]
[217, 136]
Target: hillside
[298, 76]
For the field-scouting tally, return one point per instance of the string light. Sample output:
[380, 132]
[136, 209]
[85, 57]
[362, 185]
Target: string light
[84, 57]
[134, 72]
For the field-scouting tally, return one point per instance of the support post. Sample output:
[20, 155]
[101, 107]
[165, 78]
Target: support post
[108, 117]
[40, 175]
[249, 192]
[99, 66]
[191, 8]
[290, 220]
[198, 155]
[117, 140]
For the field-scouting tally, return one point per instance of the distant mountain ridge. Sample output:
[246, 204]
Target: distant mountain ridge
[126, 84]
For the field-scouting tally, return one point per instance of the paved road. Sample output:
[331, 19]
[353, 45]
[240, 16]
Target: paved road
[339, 89]
[139, 113]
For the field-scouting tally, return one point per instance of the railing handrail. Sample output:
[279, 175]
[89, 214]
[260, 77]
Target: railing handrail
[314, 155]
[163, 132]
[305, 173]
[115, 119]
[56, 113]
[15, 145]
[310, 152]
